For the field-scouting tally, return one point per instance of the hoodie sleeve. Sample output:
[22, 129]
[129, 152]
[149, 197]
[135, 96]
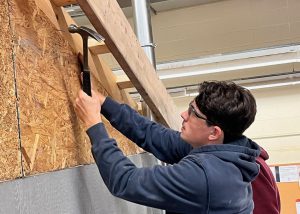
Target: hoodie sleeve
[165, 144]
[180, 188]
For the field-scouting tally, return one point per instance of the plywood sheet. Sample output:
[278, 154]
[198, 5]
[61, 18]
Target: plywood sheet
[47, 79]
[10, 165]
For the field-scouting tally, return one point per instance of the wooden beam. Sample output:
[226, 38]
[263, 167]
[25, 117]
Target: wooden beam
[98, 47]
[60, 3]
[124, 82]
[109, 20]
[109, 78]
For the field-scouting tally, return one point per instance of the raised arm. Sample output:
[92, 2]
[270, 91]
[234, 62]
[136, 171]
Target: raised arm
[163, 143]
[163, 187]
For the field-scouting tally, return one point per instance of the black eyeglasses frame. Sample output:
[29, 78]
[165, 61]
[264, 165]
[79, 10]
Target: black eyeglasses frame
[192, 109]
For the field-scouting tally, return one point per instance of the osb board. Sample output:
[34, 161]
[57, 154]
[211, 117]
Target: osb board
[10, 164]
[47, 79]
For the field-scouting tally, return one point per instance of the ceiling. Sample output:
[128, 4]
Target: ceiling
[163, 5]
[156, 6]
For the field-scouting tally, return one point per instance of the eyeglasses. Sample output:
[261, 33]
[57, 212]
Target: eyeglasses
[192, 109]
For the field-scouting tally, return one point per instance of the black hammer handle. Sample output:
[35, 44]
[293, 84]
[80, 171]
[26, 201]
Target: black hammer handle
[86, 83]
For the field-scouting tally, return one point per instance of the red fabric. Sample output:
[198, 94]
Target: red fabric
[265, 192]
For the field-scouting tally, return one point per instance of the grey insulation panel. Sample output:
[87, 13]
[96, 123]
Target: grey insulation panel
[78, 190]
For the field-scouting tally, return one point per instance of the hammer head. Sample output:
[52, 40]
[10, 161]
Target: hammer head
[85, 32]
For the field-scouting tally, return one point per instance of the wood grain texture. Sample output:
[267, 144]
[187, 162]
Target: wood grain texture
[109, 20]
[98, 48]
[45, 6]
[60, 3]
[47, 79]
[10, 162]
[124, 82]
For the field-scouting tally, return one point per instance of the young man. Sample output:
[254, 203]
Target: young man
[211, 166]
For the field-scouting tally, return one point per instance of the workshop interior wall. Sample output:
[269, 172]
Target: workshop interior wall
[276, 127]
[47, 82]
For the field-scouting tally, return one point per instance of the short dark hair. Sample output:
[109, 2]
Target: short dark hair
[227, 105]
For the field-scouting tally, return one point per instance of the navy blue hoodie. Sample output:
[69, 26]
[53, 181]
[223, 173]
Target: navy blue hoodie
[209, 179]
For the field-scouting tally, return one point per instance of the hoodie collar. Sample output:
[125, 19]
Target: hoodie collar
[242, 144]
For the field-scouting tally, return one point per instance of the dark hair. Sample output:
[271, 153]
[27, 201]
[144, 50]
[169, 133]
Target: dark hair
[227, 105]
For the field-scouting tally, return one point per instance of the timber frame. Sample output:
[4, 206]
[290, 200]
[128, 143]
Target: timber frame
[108, 19]
[40, 80]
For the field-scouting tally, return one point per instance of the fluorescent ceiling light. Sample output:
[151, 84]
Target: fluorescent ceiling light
[272, 85]
[230, 57]
[230, 68]
[228, 62]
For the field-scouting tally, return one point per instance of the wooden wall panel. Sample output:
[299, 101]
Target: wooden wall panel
[10, 166]
[52, 137]
[47, 80]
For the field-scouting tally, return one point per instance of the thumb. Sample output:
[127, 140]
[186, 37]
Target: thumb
[82, 95]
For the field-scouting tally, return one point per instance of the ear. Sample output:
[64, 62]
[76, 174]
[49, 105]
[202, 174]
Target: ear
[216, 134]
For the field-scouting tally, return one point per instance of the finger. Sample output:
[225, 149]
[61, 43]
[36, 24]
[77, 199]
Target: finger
[92, 84]
[79, 99]
[82, 95]
[94, 93]
[79, 109]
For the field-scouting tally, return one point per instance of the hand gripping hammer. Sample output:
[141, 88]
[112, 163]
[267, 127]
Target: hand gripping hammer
[85, 33]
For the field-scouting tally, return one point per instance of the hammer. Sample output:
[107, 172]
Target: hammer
[85, 32]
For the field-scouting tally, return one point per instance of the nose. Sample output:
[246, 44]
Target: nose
[184, 115]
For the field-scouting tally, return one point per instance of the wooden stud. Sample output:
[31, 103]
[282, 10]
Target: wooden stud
[98, 47]
[124, 82]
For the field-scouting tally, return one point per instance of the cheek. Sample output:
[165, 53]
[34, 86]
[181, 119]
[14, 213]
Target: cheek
[191, 131]
[197, 133]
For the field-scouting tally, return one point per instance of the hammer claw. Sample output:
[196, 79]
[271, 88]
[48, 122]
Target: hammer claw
[93, 34]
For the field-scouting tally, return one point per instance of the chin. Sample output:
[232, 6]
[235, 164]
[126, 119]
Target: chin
[183, 137]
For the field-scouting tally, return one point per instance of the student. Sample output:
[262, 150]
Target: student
[211, 163]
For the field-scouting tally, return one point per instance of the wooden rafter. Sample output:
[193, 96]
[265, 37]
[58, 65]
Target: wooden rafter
[108, 19]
